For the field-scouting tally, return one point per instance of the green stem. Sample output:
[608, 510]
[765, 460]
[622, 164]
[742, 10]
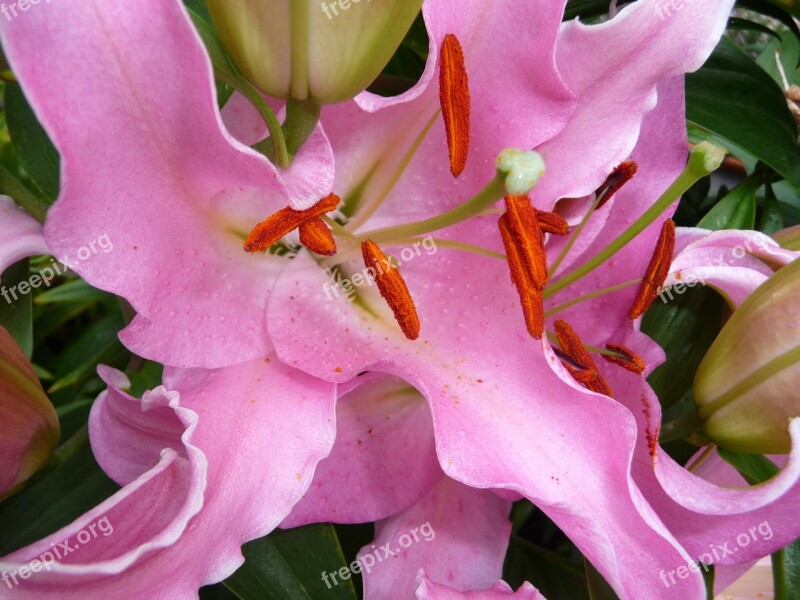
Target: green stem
[340, 232]
[493, 192]
[595, 294]
[553, 339]
[362, 216]
[699, 166]
[302, 117]
[275, 143]
[707, 453]
[449, 244]
[574, 235]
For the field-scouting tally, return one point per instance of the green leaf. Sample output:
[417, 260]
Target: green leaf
[53, 500]
[685, 328]
[551, 573]
[16, 315]
[755, 468]
[789, 48]
[737, 210]
[76, 290]
[777, 9]
[599, 589]
[12, 186]
[733, 98]
[289, 565]
[771, 215]
[94, 346]
[36, 152]
[147, 378]
[748, 25]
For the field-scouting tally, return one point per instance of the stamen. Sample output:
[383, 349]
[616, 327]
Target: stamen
[315, 235]
[524, 226]
[526, 259]
[530, 295]
[455, 100]
[625, 358]
[393, 288]
[657, 270]
[550, 222]
[621, 175]
[286, 220]
[578, 360]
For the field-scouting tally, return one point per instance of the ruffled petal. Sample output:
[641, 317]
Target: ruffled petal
[153, 169]
[614, 69]
[428, 590]
[20, 234]
[221, 457]
[383, 460]
[733, 262]
[457, 533]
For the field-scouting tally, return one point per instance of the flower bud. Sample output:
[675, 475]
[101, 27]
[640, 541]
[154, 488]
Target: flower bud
[323, 51]
[29, 429]
[746, 386]
[788, 238]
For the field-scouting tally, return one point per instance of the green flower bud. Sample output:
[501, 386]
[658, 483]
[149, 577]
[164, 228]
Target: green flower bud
[322, 51]
[746, 386]
[29, 429]
[788, 238]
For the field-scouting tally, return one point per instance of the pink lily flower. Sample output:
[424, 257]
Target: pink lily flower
[385, 433]
[179, 198]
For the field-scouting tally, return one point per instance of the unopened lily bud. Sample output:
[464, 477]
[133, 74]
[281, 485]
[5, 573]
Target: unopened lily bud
[788, 238]
[746, 386]
[29, 429]
[322, 51]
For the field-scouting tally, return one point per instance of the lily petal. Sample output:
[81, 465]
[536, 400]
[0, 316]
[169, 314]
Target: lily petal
[733, 262]
[614, 69]
[20, 234]
[457, 533]
[428, 590]
[383, 461]
[245, 428]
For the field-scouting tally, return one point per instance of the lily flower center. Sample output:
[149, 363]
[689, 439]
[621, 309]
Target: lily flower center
[523, 229]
